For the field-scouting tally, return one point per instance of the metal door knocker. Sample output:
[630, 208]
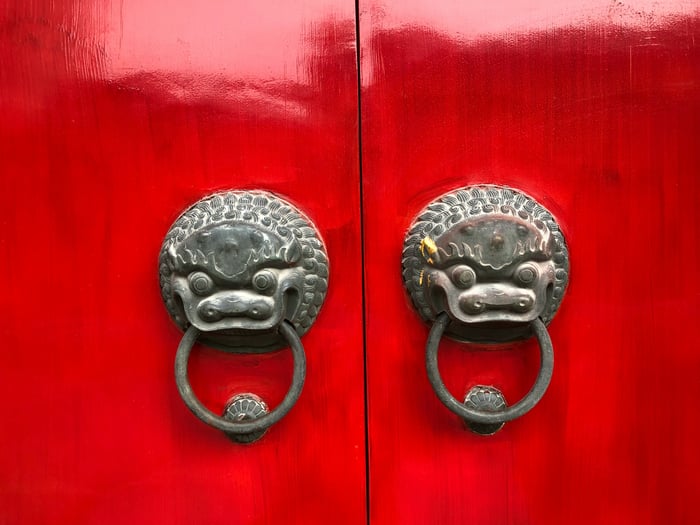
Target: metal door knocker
[243, 271]
[486, 264]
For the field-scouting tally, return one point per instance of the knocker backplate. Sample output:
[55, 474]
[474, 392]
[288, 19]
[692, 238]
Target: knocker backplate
[238, 263]
[491, 257]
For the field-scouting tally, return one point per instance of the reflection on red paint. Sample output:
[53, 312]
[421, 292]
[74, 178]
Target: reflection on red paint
[512, 21]
[595, 110]
[117, 116]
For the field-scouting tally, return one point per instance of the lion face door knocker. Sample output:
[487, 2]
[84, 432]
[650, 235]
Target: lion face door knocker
[243, 271]
[486, 264]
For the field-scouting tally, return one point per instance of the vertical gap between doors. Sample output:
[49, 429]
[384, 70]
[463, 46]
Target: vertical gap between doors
[358, 54]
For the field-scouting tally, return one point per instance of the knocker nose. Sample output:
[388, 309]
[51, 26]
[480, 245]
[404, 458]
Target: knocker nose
[514, 300]
[235, 304]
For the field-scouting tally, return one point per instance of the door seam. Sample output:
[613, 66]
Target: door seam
[358, 55]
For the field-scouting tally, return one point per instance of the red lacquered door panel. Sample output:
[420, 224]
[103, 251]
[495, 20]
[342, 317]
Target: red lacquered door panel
[594, 109]
[116, 117]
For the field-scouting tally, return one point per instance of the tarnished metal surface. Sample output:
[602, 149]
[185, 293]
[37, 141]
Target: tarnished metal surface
[485, 255]
[237, 263]
[483, 416]
[240, 427]
[486, 264]
[244, 271]
[485, 399]
[246, 407]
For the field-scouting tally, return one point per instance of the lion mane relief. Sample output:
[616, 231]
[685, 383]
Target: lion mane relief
[485, 254]
[240, 262]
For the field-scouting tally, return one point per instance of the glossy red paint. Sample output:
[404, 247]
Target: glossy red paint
[115, 119]
[116, 116]
[594, 109]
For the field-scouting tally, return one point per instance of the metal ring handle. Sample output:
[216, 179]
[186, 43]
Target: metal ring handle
[477, 416]
[230, 427]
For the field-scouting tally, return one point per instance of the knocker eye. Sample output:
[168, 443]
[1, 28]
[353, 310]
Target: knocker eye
[463, 276]
[265, 281]
[200, 283]
[526, 274]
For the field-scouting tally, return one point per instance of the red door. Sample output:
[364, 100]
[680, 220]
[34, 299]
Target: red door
[593, 109]
[117, 117]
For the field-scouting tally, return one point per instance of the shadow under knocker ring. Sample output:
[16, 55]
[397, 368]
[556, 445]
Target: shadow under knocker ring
[241, 427]
[484, 417]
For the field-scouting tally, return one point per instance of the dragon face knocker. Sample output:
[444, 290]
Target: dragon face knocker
[236, 264]
[486, 264]
[244, 271]
[491, 257]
